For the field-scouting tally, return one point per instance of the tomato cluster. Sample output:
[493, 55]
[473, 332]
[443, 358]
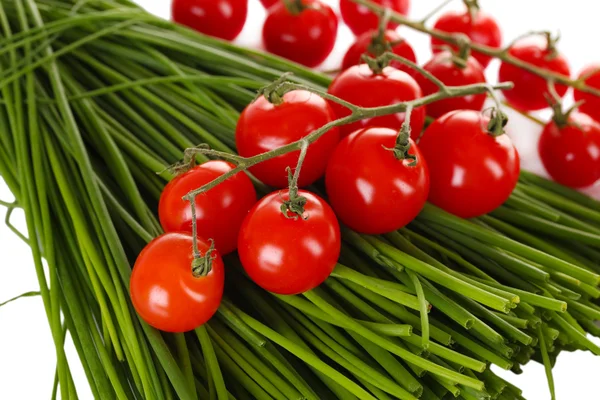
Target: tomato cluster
[378, 172]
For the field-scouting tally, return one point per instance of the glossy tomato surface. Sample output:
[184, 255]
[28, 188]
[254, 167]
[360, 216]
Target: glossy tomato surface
[529, 93]
[165, 292]
[360, 19]
[289, 255]
[263, 127]
[483, 29]
[360, 86]
[369, 189]
[398, 45]
[219, 211]
[571, 154]
[591, 105]
[471, 172]
[220, 18]
[306, 38]
[442, 67]
[268, 3]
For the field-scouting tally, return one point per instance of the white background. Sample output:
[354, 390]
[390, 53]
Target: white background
[27, 359]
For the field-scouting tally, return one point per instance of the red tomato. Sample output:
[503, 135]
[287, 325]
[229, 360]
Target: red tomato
[219, 212]
[369, 189]
[362, 43]
[571, 154]
[288, 255]
[529, 91]
[471, 171]
[360, 86]
[360, 20]
[483, 30]
[306, 38]
[591, 107]
[165, 292]
[268, 3]
[220, 18]
[263, 127]
[442, 67]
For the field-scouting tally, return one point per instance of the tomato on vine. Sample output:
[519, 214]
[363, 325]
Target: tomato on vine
[289, 254]
[264, 126]
[452, 71]
[361, 86]
[370, 43]
[303, 31]
[591, 103]
[530, 91]
[570, 150]
[219, 211]
[472, 172]
[220, 18]
[360, 19]
[170, 293]
[482, 29]
[369, 188]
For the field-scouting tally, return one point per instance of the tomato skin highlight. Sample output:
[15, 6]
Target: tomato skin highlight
[307, 38]
[529, 91]
[591, 105]
[224, 19]
[442, 67]
[360, 19]
[400, 47]
[369, 189]
[360, 86]
[164, 291]
[571, 154]
[285, 255]
[482, 30]
[264, 126]
[219, 211]
[472, 173]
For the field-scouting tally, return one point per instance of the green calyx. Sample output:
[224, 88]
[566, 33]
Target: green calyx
[295, 7]
[498, 121]
[275, 91]
[202, 264]
[293, 207]
[402, 146]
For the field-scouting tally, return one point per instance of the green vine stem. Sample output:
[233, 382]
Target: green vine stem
[501, 54]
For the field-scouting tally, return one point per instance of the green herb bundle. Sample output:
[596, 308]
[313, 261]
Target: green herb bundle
[97, 96]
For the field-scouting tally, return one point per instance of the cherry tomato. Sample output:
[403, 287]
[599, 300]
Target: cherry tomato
[571, 154]
[268, 3]
[220, 18]
[591, 107]
[442, 67]
[361, 46]
[360, 86]
[289, 255]
[360, 19]
[306, 38]
[369, 189]
[164, 290]
[481, 30]
[529, 93]
[263, 127]
[219, 211]
[471, 171]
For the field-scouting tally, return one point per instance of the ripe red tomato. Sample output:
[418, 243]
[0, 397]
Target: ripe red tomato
[360, 86]
[442, 67]
[288, 255]
[482, 30]
[471, 171]
[591, 107]
[361, 46]
[360, 20]
[263, 127]
[219, 212]
[268, 3]
[571, 154]
[307, 37]
[369, 189]
[529, 91]
[220, 18]
[165, 292]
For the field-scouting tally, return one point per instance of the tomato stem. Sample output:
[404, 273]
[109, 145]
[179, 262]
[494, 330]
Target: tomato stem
[402, 145]
[295, 203]
[379, 45]
[201, 264]
[294, 7]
